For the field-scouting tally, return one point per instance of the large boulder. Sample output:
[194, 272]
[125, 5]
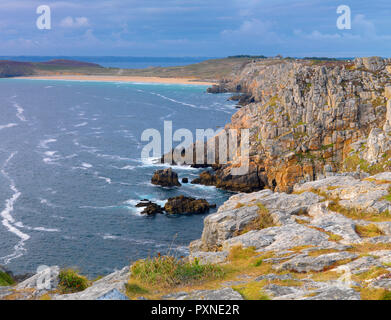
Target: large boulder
[182, 204]
[150, 208]
[165, 178]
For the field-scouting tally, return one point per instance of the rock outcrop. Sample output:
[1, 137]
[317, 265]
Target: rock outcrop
[309, 119]
[150, 208]
[335, 226]
[166, 178]
[182, 204]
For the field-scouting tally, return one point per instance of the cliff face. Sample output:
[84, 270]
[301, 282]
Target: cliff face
[309, 118]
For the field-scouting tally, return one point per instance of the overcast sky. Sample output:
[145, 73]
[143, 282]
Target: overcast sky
[208, 28]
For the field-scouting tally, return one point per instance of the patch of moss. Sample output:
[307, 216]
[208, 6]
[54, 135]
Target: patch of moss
[252, 291]
[369, 231]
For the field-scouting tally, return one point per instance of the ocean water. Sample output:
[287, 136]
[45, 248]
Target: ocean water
[71, 173]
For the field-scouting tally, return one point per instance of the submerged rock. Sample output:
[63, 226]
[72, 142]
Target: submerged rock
[184, 204]
[166, 178]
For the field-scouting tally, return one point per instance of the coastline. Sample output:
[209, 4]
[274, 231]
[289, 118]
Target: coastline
[124, 79]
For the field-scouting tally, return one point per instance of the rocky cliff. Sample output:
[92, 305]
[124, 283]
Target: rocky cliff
[307, 118]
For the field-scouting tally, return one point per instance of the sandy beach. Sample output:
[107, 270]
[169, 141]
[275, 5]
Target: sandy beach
[121, 79]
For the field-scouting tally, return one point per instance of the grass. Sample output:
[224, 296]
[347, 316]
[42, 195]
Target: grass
[357, 214]
[263, 221]
[133, 289]
[374, 294]
[5, 279]
[70, 281]
[238, 253]
[369, 231]
[170, 272]
[252, 291]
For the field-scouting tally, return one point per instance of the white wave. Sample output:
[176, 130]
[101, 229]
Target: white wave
[48, 203]
[109, 236]
[19, 112]
[44, 143]
[86, 165]
[108, 180]
[42, 229]
[113, 157]
[8, 221]
[81, 124]
[50, 153]
[176, 101]
[9, 125]
[127, 168]
[155, 162]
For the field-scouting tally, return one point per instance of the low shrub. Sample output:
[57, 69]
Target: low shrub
[5, 279]
[70, 281]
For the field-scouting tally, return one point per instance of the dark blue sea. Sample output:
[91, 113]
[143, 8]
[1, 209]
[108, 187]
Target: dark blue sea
[71, 172]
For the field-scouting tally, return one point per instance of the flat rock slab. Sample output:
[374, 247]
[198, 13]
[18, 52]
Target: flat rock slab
[221, 294]
[115, 281]
[335, 293]
[113, 295]
[305, 263]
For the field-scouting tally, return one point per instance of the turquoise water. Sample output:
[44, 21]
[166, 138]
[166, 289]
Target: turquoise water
[71, 171]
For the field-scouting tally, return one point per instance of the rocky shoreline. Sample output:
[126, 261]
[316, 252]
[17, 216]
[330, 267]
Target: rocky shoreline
[312, 219]
[324, 230]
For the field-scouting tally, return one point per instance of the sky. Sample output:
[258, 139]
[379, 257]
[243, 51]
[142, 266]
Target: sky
[195, 28]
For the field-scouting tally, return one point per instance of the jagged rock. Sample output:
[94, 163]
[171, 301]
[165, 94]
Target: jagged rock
[382, 282]
[378, 143]
[275, 277]
[43, 281]
[370, 63]
[150, 207]
[350, 101]
[182, 204]
[280, 291]
[113, 295]
[166, 178]
[185, 180]
[209, 257]
[334, 293]
[305, 263]
[360, 265]
[102, 287]
[242, 210]
[334, 222]
[366, 195]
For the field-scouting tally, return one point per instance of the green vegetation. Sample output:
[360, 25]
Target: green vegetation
[169, 272]
[213, 69]
[135, 289]
[70, 281]
[369, 231]
[5, 279]
[252, 291]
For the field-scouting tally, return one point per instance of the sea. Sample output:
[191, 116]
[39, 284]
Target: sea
[71, 172]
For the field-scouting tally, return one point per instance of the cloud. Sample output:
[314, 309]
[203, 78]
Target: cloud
[78, 22]
[252, 27]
